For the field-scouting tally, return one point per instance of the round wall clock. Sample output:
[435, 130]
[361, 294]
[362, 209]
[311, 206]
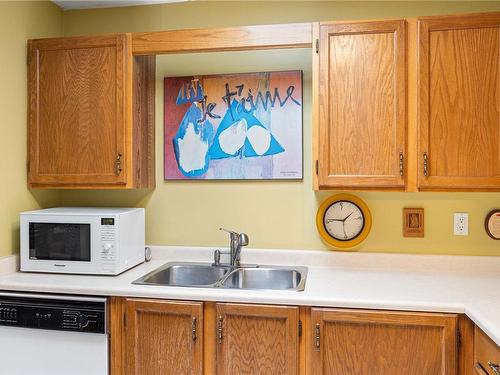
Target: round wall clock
[492, 224]
[343, 220]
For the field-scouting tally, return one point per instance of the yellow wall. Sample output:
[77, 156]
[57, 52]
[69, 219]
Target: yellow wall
[19, 21]
[274, 214]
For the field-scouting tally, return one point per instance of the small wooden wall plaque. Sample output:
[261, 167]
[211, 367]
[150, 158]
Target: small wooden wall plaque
[413, 222]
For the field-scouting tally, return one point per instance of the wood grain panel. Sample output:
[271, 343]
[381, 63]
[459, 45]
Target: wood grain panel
[357, 342]
[144, 73]
[78, 116]
[223, 39]
[159, 337]
[412, 105]
[117, 335]
[459, 94]
[210, 339]
[315, 101]
[485, 350]
[304, 340]
[466, 346]
[258, 339]
[362, 100]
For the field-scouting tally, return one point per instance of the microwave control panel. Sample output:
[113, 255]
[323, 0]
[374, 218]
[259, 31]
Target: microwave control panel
[108, 239]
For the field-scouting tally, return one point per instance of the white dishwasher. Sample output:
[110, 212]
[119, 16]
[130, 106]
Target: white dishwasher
[44, 334]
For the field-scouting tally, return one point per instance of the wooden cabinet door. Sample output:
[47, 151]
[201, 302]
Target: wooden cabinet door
[357, 342]
[257, 339]
[79, 104]
[458, 107]
[486, 354]
[163, 337]
[362, 105]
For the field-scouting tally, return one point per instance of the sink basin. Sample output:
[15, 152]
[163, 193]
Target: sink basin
[205, 275]
[265, 278]
[184, 274]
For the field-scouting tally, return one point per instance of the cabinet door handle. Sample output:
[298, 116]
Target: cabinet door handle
[495, 367]
[317, 337]
[219, 330]
[193, 328]
[479, 369]
[401, 164]
[426, 164]
[118, 164]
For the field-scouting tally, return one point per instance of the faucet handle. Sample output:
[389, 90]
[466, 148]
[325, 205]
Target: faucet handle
[232, 233]
[228, 231]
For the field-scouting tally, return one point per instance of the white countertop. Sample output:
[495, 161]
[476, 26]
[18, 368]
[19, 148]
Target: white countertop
[459, 284]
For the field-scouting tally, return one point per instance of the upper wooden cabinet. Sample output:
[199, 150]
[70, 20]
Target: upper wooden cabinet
[85, 128]
[360, 138]
[382, 342]
[257, 339]
[458, 102]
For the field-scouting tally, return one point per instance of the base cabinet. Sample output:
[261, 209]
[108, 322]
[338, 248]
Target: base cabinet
[357, 342]
[163, 337]
[153, 336]
[486, 354]
[254, 339]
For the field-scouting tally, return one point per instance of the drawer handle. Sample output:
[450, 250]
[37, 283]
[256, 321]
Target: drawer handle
[495, 367]
[479, 369]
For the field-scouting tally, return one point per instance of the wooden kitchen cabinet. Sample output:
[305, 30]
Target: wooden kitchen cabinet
[486, 354]
[257, 339]
[458, 112]
[150, 336]
[163, 337]
[367, 342]
[87, 128]
[360, 105]
[174, 337]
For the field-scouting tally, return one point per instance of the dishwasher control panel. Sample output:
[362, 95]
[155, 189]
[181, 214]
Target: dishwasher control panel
[54, 314]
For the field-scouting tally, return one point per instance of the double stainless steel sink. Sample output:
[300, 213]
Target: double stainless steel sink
[206, 275]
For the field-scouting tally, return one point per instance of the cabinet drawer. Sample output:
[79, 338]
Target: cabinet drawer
[486, 354]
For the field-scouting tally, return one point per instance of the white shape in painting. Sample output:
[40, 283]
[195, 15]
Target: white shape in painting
[192, 150]
[232, 138]
[260, 139]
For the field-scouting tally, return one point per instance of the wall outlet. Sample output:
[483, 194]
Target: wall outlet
[461, 224]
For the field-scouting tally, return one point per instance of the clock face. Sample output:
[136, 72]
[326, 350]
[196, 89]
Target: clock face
[492, 224]
[344, 220]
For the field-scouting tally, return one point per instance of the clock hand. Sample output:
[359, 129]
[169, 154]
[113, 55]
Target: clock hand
[330, 220]
[347, 216]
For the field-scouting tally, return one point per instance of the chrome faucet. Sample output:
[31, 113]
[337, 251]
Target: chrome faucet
[237, 240]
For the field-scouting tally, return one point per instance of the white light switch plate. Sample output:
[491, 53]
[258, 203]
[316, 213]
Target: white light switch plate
[461, 224]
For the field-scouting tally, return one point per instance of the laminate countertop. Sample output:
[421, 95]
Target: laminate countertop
[457, 284]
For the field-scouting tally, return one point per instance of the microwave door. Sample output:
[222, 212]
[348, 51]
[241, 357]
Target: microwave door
[59, 241]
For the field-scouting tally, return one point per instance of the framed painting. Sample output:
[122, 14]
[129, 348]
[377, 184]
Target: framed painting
[233, 126]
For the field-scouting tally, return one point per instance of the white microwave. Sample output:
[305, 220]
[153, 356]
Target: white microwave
[100, 241]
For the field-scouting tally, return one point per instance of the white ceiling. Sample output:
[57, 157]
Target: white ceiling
[87, 4]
